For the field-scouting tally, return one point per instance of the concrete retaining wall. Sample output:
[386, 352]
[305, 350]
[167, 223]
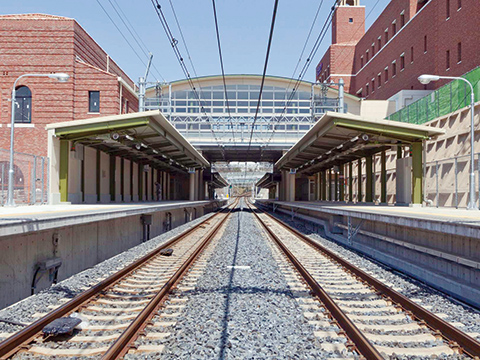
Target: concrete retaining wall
[83, 241]
[445, 256]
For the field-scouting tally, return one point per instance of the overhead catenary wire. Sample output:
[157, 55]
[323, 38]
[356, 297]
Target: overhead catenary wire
[121, 33]
[222, 67]
[267, 55]
[135, 36]
[174, 42]
[308, 61]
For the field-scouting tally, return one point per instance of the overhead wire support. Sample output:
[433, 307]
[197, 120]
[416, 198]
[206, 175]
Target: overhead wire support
[222, 67]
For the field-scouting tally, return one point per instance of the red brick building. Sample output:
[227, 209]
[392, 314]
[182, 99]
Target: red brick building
[38, 43]
[409, 38]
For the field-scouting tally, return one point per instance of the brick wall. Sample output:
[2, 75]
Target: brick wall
[35, 43]
[428, 19]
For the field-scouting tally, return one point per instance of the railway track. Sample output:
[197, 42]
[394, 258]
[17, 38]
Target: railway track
[128, 305]
[377, 321]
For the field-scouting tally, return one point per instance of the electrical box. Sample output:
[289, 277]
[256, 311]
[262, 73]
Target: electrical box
[146, 219]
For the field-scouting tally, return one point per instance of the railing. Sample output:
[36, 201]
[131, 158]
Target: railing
[31, 174]
[447, 99]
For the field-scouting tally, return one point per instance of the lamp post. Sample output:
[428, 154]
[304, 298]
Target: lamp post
[425, 79]
[61, 77]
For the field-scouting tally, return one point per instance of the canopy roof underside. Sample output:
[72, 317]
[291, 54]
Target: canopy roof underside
[337, 139]
[145, 137]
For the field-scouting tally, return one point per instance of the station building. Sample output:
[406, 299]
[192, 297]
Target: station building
[408, 39]
[44, 44]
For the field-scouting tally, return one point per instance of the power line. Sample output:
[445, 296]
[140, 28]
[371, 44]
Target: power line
[272, 26]
[178, 55]
[270, 37]
[221, 65]
[135, 37]
[121, 33]
[308, 61]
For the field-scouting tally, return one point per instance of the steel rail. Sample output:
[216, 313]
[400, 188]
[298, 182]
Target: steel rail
[362, 344]
[124, 343]
[20, 339]
[454, 336]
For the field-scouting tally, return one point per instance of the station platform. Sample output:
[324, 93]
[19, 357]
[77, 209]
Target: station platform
[42, 244]
[23, 219]
[440, 246]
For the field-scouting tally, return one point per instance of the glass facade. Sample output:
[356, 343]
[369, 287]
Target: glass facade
[228, 115]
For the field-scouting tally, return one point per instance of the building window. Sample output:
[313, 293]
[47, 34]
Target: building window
[350, 20]
[394, 69]
[386, 74]
[411, 54]
[402, 19]
[386, 36]
[23, 105]
[373, 86]
[459, 4]
[394, 28]
[425, 44]
[94, 101]
[373, 49]
[368, 57]
[447, 3]
[402, 62]
[459, 52]
[379, 42]
[366, 90]
[379, 79]
[361, 61]
[447, 58]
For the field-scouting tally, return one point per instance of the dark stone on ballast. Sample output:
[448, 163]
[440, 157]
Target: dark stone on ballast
[166, 252]
[61, 326]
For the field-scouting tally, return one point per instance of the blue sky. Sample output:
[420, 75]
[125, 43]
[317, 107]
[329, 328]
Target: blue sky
[244, 28]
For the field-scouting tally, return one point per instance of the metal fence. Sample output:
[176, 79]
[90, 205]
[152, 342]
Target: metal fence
[447, 99]
[31, 174]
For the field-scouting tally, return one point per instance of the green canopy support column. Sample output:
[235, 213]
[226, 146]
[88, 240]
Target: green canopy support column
[336, 186]
[342, 182]
[112, 178]
[359, 181]
[350, 181]
[383, 178]
[140, 182]
[369, 178]
[324, 186]
[417, 191]
[63, 170]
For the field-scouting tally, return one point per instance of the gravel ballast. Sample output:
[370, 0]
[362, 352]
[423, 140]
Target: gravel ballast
[23, 310]
[433, 300]
[241, 307]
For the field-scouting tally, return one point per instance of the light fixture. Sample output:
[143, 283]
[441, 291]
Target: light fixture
[138, 146]
[426, 79]
[354, 139]
[155, 151]
[339, 146]
[115, 136]
[60, 77]
[128, 137]
[365, 137]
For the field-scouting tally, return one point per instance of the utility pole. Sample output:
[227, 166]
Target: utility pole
[142, 84]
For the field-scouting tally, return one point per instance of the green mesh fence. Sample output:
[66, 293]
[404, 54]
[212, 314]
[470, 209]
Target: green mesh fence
[447, 99]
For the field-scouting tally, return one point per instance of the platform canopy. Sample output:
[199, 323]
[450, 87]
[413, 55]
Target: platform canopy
[337, 139]
[218, 181]
[146, 137]
[268, 180]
